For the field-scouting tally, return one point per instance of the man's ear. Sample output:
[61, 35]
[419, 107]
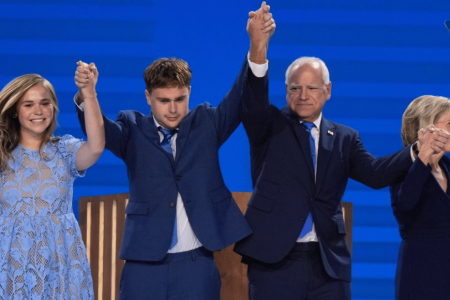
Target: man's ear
[148, 96]
[328, 90]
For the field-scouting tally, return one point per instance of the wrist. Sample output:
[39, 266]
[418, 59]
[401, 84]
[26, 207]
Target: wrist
[258, 54]
[89, 97]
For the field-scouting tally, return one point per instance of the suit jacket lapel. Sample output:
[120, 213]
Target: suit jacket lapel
[148, 128]
[302, 136]
[326, 141]
[183, 133]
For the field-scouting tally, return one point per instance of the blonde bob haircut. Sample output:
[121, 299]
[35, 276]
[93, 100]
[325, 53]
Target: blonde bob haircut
[10, 96]
[420, 113]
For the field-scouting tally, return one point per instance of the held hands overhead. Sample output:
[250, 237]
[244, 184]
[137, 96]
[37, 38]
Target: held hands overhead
[86, 77]
[261, 22]
[260, 28]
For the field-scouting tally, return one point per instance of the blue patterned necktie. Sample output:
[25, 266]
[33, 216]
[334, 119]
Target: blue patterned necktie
[165, 144]
[309, 127]
[308, 223]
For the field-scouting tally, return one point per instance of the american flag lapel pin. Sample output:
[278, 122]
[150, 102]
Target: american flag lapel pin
[330, 132]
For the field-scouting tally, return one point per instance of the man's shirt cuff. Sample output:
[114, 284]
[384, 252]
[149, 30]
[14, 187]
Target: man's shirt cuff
[257, 69]
[81, 105]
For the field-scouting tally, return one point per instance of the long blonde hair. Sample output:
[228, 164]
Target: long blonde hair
[420, 113]
[10, 96]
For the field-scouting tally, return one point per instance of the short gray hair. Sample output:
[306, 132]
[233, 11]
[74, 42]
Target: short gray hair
[311, 61]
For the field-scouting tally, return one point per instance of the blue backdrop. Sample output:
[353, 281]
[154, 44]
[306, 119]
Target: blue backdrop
[381, 55]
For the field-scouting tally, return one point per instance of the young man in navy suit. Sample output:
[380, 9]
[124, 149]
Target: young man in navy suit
[300, 164]
[179, 209]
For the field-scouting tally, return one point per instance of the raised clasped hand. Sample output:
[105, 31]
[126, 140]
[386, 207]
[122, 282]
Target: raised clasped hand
[86, 77]
[261, 25]
[433, 141]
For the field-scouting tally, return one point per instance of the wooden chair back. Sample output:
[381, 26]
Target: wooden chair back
[102, 219]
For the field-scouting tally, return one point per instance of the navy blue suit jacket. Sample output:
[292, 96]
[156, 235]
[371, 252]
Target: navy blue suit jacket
[283, 179]
[156, 178]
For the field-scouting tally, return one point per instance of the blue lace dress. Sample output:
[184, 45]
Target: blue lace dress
[42, 255]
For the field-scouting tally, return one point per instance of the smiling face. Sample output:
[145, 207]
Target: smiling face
[35, 112]
[170, 105]
[306, 91]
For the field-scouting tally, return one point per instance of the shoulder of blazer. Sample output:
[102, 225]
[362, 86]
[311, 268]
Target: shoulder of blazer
[287, 114]
[131, 116]
[340, 128]
[203, 107]
[200, 110]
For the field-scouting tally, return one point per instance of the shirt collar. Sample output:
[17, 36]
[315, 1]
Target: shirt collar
[316, 122]
[158, 125]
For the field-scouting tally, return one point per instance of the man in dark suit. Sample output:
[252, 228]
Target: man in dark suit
[179, 209]
[300, 164]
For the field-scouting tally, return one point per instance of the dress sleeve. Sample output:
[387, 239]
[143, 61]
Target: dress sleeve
[68, 147]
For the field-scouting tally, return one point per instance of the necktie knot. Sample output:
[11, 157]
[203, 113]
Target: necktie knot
[168, 133]
[308, 125]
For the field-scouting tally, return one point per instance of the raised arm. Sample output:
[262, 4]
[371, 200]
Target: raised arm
[86, 77]
[227, 115]
[260, 28]
[255, 112]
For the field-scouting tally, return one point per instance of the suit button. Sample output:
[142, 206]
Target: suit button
[172, 204]
[178, 177]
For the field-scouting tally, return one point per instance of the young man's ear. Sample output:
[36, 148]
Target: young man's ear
[148, 96]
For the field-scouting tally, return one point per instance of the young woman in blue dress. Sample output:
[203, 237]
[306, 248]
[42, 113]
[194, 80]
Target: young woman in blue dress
[42, 255]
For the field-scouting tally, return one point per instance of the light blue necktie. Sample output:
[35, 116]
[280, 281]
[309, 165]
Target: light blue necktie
[165, 144]
[308, 223]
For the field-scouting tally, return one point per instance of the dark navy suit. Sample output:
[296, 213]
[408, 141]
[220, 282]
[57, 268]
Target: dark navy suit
[285, 190]
[422, 210]
[156, 178]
